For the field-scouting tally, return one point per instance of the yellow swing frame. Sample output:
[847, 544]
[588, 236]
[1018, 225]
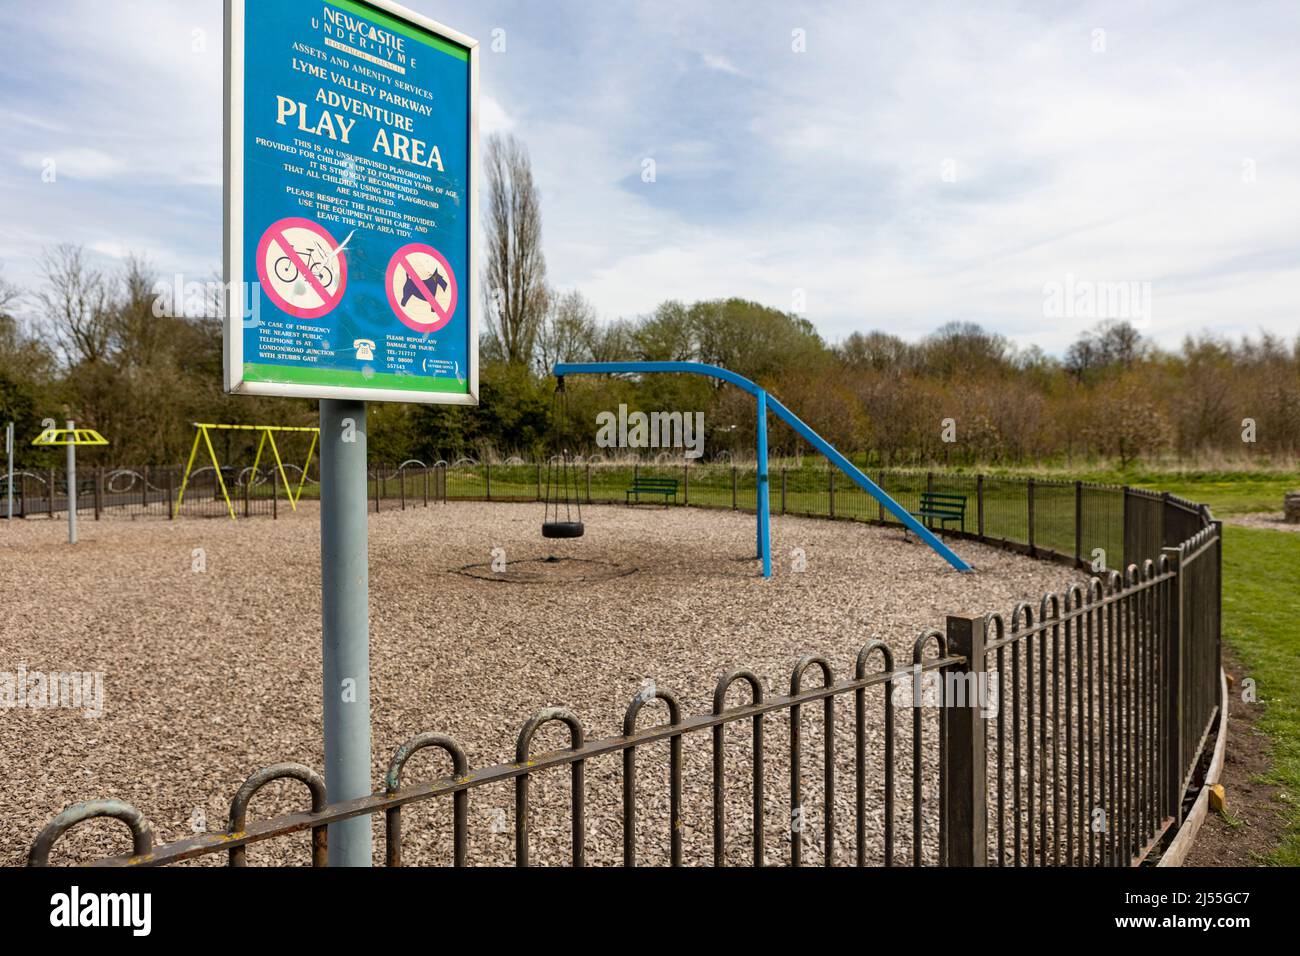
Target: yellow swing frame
[268, 437]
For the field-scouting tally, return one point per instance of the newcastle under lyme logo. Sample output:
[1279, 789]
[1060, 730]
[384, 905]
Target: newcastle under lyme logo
[74, 908]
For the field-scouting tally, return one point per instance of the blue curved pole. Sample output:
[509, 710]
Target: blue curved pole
[767, 402]
[762, 496]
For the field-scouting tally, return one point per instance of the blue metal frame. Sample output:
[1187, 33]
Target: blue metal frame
[767, 402]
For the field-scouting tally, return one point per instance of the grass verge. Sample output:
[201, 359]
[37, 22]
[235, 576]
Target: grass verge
[1261, 607]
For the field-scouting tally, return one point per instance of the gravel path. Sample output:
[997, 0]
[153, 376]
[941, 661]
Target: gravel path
[1268, 520]
[210, 674]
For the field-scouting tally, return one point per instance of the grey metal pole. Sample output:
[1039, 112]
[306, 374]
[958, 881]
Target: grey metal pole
[345, 612]
[72, 483]
[9, 449]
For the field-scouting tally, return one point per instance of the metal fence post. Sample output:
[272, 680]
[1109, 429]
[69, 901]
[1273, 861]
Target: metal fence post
[1175, 689]
[275, 494]
[965, 778]
[831, 488]
[1165, 504]
[99, 491]
[50, 495]
[144, 489]
[171, 499]
[979, 502]
[1029, 495]
[1218, 597]
[248, 493]
[1125, 519]
[1078, 523]
[733, 487]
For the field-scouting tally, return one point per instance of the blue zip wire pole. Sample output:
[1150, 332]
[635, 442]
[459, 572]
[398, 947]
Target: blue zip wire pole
[767, 402]
[763, 496]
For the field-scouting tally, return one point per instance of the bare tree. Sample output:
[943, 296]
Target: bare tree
[611, 341]
[515, 278]
[10, 295]
[22, 354]
[77, 304]
[566, 333]
[1111, 345]
[139, 331]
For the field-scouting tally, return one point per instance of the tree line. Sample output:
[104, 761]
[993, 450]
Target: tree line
[109, 350]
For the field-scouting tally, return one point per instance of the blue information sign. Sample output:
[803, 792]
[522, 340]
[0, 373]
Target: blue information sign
[351, 219]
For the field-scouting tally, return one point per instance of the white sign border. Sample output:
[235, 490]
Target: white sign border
[233, 226]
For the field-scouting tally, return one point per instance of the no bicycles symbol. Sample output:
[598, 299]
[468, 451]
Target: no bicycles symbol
[421, 287]
[302, 268]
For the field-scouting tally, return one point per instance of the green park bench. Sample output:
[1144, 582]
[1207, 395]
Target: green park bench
[651, 486]
[942, 508]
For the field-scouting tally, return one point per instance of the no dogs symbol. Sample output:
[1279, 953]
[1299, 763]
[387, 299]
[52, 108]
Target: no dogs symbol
[421, 287]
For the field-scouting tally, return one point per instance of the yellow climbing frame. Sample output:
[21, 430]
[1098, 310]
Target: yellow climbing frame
[70, 436]
[201, 434]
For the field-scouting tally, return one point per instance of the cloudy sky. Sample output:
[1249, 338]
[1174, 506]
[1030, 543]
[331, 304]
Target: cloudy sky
[881, 165]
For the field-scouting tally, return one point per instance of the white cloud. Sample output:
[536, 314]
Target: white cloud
[715, 61]
[776, 170]
[492, 116]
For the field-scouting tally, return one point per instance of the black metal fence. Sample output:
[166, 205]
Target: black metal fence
[1089, 525]
[1063, 734]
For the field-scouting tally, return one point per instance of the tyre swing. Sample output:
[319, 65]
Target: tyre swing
[561, 477]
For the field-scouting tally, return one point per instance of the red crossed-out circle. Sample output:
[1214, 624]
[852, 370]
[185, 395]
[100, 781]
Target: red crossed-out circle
[275, 240]
[409, 316]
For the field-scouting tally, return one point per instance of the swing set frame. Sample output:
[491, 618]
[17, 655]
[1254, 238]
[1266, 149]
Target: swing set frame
[201, 434]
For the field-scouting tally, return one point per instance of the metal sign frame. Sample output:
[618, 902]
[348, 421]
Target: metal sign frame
[233, 224]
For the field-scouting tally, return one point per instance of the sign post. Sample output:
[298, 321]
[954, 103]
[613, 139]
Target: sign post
[345, 618]
[351, 226]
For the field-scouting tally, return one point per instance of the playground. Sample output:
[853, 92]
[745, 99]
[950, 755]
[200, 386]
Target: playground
[207, 633]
